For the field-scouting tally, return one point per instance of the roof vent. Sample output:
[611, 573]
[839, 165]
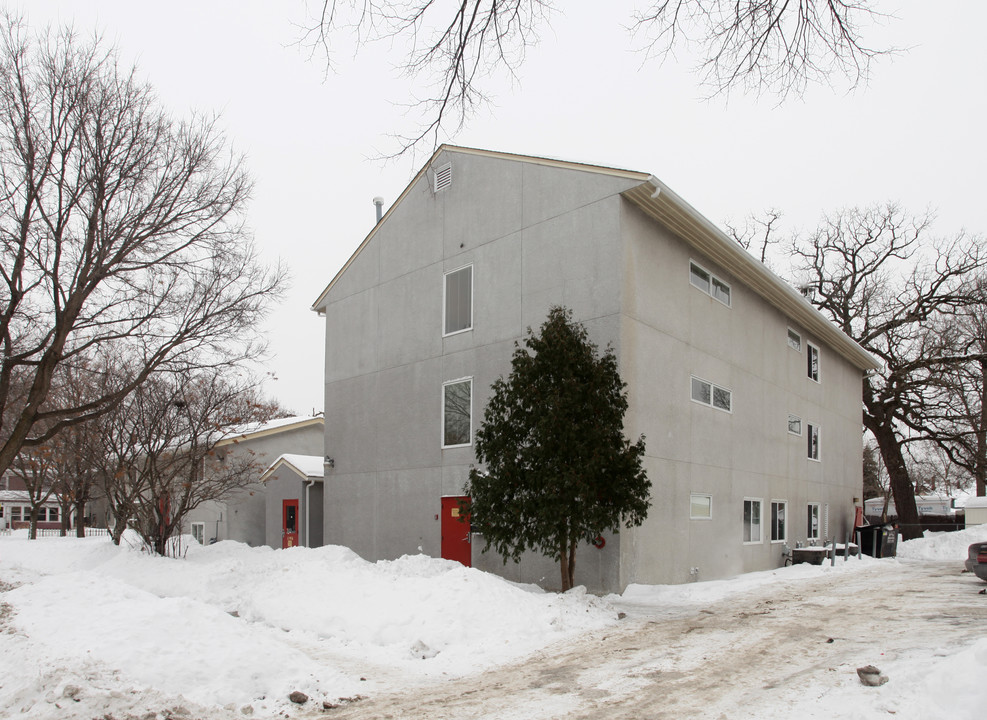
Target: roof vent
[443, 177]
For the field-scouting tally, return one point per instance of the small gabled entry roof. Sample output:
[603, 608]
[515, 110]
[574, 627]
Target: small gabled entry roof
[662, 204]
[310, 467]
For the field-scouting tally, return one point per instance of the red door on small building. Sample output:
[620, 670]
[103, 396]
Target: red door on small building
[289, 526]
[455, 528]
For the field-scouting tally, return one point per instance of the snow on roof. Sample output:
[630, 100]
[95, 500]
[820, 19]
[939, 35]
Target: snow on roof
[22, 496]
[976, 502]
[310, 466]
[271, 426]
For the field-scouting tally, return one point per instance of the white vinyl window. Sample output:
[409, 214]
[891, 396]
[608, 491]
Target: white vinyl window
[779, 525]
[795, 425]
[457, 413]
[706, 393]
[812, 521]
[700, 506]
[812, 366]
[704, 280]
[752, 520]
[457, 292]
[199, 532]
[794, 340]
[813, 437]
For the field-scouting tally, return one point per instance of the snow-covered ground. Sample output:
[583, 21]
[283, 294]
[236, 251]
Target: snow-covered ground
[89, 630]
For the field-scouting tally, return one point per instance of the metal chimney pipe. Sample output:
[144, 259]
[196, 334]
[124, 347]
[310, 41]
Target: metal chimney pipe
[379, 202]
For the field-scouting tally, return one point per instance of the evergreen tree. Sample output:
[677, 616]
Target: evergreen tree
[559, 470]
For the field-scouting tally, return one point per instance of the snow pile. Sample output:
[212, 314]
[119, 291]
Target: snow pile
[90, 630]
[231, 625]
[942, 545]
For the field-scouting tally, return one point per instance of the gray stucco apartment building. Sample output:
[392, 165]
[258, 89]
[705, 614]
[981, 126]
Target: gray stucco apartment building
[748, 397]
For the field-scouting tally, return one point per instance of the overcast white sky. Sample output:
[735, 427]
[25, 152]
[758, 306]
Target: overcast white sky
[915, 134]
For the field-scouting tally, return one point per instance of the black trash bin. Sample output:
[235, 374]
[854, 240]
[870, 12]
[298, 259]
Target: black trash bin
[878, 540]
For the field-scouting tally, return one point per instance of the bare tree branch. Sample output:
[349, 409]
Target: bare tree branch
[449, 50]
[121, 235]
[777, 46]
[886, 284]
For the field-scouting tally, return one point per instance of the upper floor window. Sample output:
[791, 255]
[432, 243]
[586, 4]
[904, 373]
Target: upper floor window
[709, 394]
[458, 300]
[812, 368]
[794, 424]
[813, 434]
[794, 340]
[709, 283]
[457, 413]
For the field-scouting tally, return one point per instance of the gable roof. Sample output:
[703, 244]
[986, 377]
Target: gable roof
[662, 204]
[271, 427]
[531, 159]
[311, 467]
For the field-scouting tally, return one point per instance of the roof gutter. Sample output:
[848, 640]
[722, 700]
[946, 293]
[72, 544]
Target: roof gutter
[661, 203]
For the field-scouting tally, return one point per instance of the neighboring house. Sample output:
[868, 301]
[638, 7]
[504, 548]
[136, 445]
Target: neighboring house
[244, 515]
[15, 511]
[926, 504]
[15, 506]
[294, 501]
[976, 511]
[749, 398]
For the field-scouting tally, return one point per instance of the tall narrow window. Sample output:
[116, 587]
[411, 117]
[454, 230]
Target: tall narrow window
[794, 340]
[199, 532]
[813, 435]
[457, 412]
[779, 527]
[458, 300]
[813, 362]
[812, 521]
[752, 521]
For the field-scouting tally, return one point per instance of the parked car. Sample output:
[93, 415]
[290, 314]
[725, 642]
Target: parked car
[976, 560]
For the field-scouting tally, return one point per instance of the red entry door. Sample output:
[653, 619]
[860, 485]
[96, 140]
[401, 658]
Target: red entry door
[455, 527]
[289, 526]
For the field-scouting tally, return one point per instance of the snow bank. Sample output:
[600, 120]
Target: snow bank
[948, 546]
[315, 620]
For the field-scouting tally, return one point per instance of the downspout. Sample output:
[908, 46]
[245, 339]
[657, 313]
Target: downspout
[308, 512]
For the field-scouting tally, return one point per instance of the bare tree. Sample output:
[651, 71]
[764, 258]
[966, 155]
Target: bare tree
[121, 233]
[37, 471]
[779, 46]
[957, 403]
[161, 447]
[880, 276]
[453, 48]
[761, 232]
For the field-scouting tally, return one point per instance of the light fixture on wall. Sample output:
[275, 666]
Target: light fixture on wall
[330, 462]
